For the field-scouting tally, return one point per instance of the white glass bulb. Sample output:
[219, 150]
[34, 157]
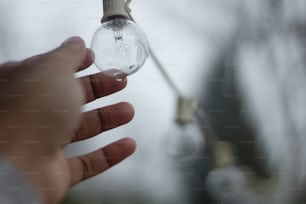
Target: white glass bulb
[121, 48]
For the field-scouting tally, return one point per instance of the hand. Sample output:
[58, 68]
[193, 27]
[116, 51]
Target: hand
[40, 113]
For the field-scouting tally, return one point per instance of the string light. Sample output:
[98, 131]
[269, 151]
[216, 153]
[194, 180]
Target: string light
[120, 46]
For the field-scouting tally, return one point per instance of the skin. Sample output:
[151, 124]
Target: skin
[40, 114]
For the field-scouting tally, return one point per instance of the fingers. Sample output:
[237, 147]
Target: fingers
[99, 85]
[100, 120]
[74, 48]
[86, 166]
[89, 59]
[72, 55]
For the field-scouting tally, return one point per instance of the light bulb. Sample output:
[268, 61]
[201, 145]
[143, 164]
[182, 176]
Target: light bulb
[228, 185]
[182, 142]
[120, 46]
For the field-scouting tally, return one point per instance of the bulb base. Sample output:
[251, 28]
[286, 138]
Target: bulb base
[185, 112]
[114, 8]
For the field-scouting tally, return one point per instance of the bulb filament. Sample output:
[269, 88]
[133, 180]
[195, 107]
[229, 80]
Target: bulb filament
[117, 35]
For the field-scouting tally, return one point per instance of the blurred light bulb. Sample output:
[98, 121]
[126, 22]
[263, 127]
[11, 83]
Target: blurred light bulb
[183, 142]
[120, 46]
[183, 139]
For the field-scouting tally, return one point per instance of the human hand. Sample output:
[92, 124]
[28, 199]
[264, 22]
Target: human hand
[40, 113]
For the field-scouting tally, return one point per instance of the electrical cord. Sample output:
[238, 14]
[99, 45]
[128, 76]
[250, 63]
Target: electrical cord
[156, 60]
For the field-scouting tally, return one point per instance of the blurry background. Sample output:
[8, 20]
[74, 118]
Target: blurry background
[219, 52]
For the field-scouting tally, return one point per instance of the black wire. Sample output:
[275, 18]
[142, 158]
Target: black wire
[164, 73]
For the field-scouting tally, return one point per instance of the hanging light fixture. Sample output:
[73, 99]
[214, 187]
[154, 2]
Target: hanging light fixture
[120, 46]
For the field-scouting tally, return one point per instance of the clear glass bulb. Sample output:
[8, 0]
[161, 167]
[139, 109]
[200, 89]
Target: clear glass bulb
[121, 48]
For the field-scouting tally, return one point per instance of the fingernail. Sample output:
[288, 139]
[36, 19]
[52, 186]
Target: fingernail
[73, 41]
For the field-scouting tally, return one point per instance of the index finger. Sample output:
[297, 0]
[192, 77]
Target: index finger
[98, 85]
[73, 54]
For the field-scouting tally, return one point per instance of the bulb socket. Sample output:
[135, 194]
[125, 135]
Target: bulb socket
[185, 112]
[114, 8]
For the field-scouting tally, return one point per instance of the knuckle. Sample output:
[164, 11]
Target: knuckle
[106, 119]
[97, 86]
[87, 167]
